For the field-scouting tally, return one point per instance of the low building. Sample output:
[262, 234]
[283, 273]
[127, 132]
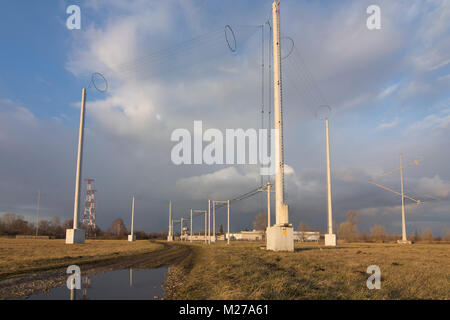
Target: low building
[196, 237]
[254, 235]
[304, 236]
[32, 237]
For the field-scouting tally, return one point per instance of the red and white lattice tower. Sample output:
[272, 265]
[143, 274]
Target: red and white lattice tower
[89, 208]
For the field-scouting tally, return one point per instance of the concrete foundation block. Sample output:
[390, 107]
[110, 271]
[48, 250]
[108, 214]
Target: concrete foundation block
[404, 242]
[75, 236]
[280, 238]
[169, 238]
[330, 240]
[131, 238]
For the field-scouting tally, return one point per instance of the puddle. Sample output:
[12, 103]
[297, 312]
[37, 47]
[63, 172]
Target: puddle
[128, 284]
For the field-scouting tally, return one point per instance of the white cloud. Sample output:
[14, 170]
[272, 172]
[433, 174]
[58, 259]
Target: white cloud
[388, 125]
[220, 184]
[439, 120]
[389, 90]
[434, 187]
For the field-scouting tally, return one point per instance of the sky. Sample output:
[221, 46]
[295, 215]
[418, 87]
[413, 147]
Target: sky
[167, 64]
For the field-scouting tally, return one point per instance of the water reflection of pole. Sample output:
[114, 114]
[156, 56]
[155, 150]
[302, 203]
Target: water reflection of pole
[86, 285]
[73, 294]
[131, 277]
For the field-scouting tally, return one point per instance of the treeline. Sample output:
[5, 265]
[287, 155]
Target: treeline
[348, 231]
[13, 225]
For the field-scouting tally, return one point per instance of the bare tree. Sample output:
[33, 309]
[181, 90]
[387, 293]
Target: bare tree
[427, 234]
[348, 230]
[260, 222]
[378, 232]
[446, 234]
[302, 226]
[118, 228]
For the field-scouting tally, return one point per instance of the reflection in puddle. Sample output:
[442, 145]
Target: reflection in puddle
[125, 284]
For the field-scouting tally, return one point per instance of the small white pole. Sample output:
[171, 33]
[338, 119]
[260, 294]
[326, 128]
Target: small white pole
[191, 225]
[37, 212]
[170, 220]
[206, 239]
[209, 221]
[228, 221]
[268, 204]
[214, 220]
[181, 229]
[132, 219]
[403, 201]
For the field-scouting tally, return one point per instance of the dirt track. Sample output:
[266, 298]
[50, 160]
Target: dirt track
[31, 283]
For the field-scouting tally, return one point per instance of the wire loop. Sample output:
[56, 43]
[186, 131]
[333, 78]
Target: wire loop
[232, 48]
[98, 74]
[292, 47]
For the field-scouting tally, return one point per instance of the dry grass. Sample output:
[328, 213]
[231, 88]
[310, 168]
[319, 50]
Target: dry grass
[245, 271]
[19, 256]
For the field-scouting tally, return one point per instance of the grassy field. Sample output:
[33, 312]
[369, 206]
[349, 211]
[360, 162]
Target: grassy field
[245, 271]
[20, 256]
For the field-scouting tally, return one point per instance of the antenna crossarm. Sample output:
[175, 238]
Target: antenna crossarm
[393, 191]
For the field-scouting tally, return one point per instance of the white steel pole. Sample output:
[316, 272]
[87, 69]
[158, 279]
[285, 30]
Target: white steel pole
[268, 204]
[79, 161]
[170, 220]
[132, 218]
[209, 221]
[330, 212]
[206, 239]
[191, 225]
[37, 212]
[403, 200]
[181, 229]
[214, 220]
[280, 208]
[228, 221]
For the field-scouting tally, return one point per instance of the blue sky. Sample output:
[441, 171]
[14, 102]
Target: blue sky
[388, 90]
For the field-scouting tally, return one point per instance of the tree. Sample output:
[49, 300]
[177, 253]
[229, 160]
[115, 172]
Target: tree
[67, 224]
[427, 234]
[348, 230]
[302, 226]
[446, 234]
[416, 236]
[378, 232]
[118, 228]
[221, 229]
[260, 222]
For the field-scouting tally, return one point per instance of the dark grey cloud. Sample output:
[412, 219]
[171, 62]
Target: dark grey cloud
[128, 132]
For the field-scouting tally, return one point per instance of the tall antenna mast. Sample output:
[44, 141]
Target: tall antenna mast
[401, 193]
[132, 237]
[37, 211]
[330, 238]
[170, 235]
[280, 236]
[76, 235]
